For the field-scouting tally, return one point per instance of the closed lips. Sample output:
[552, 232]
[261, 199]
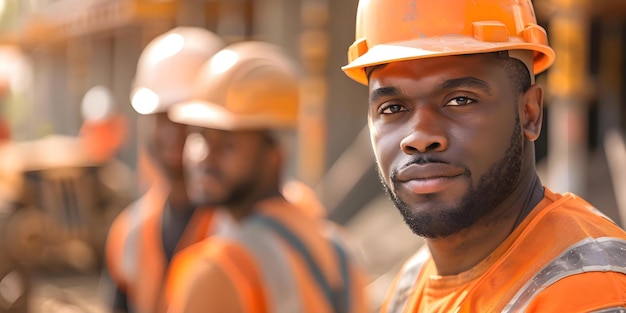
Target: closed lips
[428, 171]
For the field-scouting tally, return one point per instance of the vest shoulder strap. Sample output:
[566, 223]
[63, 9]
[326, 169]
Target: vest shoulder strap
[265, 237]
[406, 280]
[281, 286]
[130, 251]
[337, 297]
[604, 254]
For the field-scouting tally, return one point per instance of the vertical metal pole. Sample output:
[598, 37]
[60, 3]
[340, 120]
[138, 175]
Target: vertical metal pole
[610, 95]
[314, 47]
[191, 13]
[567, 148]
[610, 74]
[231, 24]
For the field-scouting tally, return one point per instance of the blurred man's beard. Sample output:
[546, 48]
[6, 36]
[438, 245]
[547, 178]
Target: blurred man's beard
[493, 187]
[239, 193]
[236, 194]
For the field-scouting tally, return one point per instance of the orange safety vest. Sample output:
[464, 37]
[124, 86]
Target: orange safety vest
[282, 260]
[134, 254]
[564, 257]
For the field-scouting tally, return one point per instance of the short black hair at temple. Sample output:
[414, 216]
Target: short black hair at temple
[516, 70]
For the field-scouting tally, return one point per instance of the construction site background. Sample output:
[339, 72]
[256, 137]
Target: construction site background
[63, 177]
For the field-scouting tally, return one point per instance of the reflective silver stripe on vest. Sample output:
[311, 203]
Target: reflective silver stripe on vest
[406, 280]
[603, 254]
[264, 244]
[616, 309]
[132, 242]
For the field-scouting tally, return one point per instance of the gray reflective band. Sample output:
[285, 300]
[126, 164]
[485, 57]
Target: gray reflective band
[616, 309]
[406, 280]
[589, 255]
[275, 271]
[336, 297]
[132, 242]
[342, 300]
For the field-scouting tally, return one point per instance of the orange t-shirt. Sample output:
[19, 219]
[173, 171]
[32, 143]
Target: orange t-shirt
[554, 261]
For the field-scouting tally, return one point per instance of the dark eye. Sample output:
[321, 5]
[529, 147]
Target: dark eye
[460, 101]
[391, 109]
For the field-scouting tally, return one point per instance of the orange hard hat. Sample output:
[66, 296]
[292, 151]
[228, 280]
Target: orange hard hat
[168, 65]
[103, 130]
[247, 85]
[396, 30]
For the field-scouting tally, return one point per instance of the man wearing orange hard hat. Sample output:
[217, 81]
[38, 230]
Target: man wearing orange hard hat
[144, 238]
[453, 113]
[276, 257]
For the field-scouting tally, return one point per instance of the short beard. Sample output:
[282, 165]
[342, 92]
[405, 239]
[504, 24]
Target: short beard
[241, 193]
[238, 194]
[493, 187]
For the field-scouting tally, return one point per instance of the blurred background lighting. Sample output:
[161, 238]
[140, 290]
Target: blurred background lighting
[171, 45]
[97, 104]
[223, 60]
[145, 101]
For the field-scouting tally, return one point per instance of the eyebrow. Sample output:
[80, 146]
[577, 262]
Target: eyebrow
[467, 82]
[383, 92]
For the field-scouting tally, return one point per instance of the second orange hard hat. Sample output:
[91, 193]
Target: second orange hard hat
[247, 85]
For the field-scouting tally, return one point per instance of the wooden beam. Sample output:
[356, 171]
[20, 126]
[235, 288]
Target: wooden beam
[59, 23]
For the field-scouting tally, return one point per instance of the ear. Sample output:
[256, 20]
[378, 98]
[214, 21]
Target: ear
[531, 112]
[278, 156]
[275, 157]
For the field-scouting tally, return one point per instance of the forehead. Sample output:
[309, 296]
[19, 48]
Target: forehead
[484, 66]
[232, 136]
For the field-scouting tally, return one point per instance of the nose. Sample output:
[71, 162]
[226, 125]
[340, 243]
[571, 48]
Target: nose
[425, 134]
[196, 148]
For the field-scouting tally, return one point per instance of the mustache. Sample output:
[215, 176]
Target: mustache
[423, 159]
[204, 171]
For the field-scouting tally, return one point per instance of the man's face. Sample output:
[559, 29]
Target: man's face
[447, 139]
[224, 167]
[167, 144]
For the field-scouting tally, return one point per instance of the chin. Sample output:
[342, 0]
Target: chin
[202, 199]
[435, 225]
[433, 203]
[435, 219]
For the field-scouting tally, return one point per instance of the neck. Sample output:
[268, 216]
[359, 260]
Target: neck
[243, 209]
[464, 250]
[265, 186]
[178, 199]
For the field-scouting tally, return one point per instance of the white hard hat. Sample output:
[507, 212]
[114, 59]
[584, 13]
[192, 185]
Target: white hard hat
[97, 104]
[168, 65]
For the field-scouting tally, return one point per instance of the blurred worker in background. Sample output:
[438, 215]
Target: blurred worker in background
[5, 129]
[149, 233]
[104, 129]
[280, 256]
[102, 135]
[453, 114]
[13, 278]
[8, 168]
